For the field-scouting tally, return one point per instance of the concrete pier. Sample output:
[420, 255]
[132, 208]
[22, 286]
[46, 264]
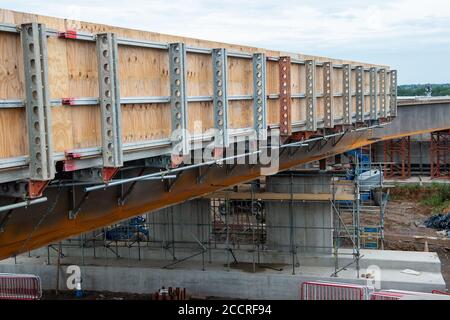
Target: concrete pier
[303, 226]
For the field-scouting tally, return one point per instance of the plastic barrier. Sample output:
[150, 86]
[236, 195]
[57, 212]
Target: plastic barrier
[384, 295]
[318, 290]
[20, 287]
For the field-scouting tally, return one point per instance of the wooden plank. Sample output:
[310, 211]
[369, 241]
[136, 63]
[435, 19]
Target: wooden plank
[281, 196]
[142, 72]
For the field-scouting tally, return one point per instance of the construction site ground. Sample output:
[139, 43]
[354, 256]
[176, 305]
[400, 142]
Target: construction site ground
[404, 230]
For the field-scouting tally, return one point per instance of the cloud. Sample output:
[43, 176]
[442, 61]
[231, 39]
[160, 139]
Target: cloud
[360, 30]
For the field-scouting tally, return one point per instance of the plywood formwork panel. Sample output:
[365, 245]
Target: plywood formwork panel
[143, 72]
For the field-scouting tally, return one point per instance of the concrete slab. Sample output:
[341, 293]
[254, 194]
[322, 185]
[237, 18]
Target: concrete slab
[146, 276]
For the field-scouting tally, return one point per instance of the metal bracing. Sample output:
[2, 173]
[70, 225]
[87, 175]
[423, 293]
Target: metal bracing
[397, 158]
[347, 93]
[259, 95]
[178, 99]
[109, 89]
[383, 93]
[311, 101]
[38, 111]
[373, 81]
[285, 96]
[393, 94]
[219, 58]
[328, 95]
[359, 94]
[440, 154]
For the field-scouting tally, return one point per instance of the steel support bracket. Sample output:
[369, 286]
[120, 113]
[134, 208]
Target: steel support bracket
[77, 208]
[109, 92]
[125, 195]
[38, 109]
[383, 94]
[259, 96]
[36, 188]
[108, 173]
[285, 96]
[168, 184]
[373, 93]
[347, 93]
[393, 94]
[311, 101]
[328, 95]
[178, 102]
[220, 98]
[359, 94]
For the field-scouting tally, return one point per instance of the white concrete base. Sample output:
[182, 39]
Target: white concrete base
[129, 275]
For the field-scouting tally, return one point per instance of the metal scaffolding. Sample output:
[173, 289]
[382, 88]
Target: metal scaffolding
[226, 226]
[397, 158]
[440, 154]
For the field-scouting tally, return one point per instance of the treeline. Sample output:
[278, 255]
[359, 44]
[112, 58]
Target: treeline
[421, 89]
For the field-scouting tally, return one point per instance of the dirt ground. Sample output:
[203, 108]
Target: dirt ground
[404, 231]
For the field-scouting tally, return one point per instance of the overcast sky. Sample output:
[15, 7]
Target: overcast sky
[412, 36]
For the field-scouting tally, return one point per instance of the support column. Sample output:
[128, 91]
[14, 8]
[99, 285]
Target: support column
[312, 220]
[38, 109]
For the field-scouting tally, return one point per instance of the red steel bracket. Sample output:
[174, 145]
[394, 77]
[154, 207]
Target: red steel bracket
[69, 163]
[285, 96]
[68, 34]
[176, 160]
[36, 187]
[304, 135]
[217, 153]
[108, 173]
[68, 101]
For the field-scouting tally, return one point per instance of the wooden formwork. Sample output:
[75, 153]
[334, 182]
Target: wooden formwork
[73, 73]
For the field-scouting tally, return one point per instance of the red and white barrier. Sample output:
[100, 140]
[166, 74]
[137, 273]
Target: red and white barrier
[317, 290]
[20, 287]
[383, 295]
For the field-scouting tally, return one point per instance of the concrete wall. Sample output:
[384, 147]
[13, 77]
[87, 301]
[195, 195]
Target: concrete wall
[312, 221]
[190, 219]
